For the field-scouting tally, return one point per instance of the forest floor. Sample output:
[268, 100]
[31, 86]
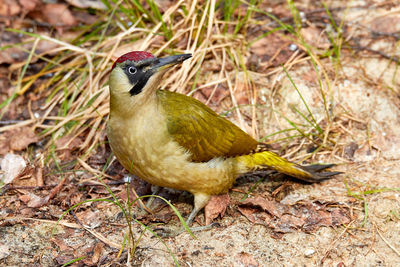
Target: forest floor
[352, 219]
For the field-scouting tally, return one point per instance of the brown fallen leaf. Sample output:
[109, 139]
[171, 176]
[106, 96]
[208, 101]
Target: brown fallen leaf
[160, 216]
[37, 202]
[22, 137]
[215, 207]
[97, 251]
[66, 145]
[216, 95]
[59, 16]
[60, 242]
[246, 260]
[242, 94]
[29, 5]
[28, 177]
[95, 4]
[272, 207]
[273, 49]
[305, 216]
[11, 55]
[9, 8]
[25, 198]
[254, 216]
[386, 24]
[90, 218]
[17, 139]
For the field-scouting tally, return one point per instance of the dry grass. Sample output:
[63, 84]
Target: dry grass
[77, 93]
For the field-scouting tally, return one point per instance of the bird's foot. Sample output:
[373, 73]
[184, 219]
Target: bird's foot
[171, 232]
[154, 191]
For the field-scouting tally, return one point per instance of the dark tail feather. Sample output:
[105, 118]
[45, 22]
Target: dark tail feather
[318, 176]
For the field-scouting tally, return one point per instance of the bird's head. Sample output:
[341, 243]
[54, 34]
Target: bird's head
[135, 76]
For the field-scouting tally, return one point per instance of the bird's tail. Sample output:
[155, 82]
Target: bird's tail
[270, 160]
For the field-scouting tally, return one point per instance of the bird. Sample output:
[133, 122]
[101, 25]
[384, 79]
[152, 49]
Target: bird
[173, 140]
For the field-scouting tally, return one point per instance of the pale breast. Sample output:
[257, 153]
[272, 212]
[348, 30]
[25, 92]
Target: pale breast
[143, 146]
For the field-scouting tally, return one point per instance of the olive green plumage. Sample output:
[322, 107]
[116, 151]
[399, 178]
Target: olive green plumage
[173, 140]
[206, 135]
[200, 130]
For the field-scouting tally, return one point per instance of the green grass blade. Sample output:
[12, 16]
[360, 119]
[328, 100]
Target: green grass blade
[314, 122]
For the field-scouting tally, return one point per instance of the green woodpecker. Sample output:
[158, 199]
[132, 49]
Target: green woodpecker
[173, 140]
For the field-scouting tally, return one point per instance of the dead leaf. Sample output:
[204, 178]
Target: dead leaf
[247, 260]
[90, 218]
[9, 8]
[12, 165]
[11, 55]
[58, 15]
[27, 212]
[29, 5]
[66, 145]
[25, 198]
[254, 216]
[36, 201]
[45, 46]
[95, 4]
[27, 177]
[216, 94]
[61, 244]
[270, 206]
[339, 217]
[97, 251]
[386, 24]
[17, 139]
[272, 48]
[306, 216]
[242, 94]
[22, 137]
[215, 207]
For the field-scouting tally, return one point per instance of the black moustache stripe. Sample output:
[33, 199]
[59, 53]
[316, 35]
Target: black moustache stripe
[137, 88]
[140, 84]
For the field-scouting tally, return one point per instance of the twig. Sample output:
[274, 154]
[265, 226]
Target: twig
[387, 243]
[331, 245]
[358, 47]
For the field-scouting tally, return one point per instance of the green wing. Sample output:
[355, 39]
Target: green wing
[201, 131]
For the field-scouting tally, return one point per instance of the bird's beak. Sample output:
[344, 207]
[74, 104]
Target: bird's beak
[167, 62]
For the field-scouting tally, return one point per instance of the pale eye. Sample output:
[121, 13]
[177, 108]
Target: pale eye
[132, 70]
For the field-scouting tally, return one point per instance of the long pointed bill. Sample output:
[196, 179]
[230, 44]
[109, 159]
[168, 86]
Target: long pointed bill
[166, 62]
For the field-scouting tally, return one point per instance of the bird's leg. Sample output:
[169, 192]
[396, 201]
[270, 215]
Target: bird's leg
[155, 189]
[200, 201]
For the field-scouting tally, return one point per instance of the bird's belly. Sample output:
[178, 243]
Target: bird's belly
[159, 160]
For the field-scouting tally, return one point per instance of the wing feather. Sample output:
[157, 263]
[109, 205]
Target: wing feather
[200, 130]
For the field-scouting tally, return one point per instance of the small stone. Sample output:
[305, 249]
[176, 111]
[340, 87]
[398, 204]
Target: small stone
[309, 252]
